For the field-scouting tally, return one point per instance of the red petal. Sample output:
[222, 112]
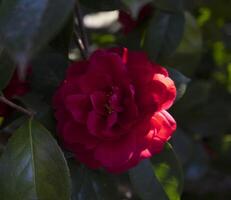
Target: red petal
[76, 69]
[164, 124]
[79, 106]
[76, 133]
[163, 90]
[115, 153]
[99, 100]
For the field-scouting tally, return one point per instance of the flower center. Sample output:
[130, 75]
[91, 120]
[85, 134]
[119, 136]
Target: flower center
[108, 109]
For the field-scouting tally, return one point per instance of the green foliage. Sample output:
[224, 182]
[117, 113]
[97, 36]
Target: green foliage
[87, 184]
[135, 6]
[160, 178]
[101, 5]
[49, 70]
[33, 166]
[196, 42]
[7, 67]
[169, 173]
[163, 34]
[180, 81]
[169, 5]
[26, 26]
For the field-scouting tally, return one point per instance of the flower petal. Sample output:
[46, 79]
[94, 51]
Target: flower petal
[115, 153]
[74, 133]
[164, 124]
[79, 106]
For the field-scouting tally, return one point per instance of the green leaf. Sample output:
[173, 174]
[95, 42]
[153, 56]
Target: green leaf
[161, 178]
[27, 25]
[169, 172]
[7, 68]
[164, 34]
[49, 70]
[169, 5]
[88, 184]
[190, 48]
[101, 5]
[44, 112]
[180, 81]
[33, 166]
[145, 182]
[135, 5]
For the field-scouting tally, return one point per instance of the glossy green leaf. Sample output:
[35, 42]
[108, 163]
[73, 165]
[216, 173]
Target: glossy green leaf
[180, 81]
[88, 184]
[48, 71]
[161, 178]
[169, 5]
[7, 67]
[169, 172]
[101, 5]
[27, 25]
[190, 48]
[145, 182]
[135, 5]
[33, 166]
[164, 34]
[43, 111]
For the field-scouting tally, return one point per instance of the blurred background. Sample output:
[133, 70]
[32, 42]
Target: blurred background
[203, 139]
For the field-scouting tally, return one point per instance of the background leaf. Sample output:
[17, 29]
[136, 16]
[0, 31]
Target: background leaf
[33, 166]
[145, 182]
[91, 185]
[180, 81]
[27, 25]
[101, 5]
[7, 67]
[169, 5]
[169, 172]
[164, 34]
[135, 6]
[48, 72]
[161, 178]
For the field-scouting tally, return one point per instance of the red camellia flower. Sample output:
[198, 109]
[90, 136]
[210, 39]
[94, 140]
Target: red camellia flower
[129, 24]
[111, 109]
[16, 87]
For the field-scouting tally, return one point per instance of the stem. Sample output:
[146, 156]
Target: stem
[16, 107]
[79, 43]
[82, 30]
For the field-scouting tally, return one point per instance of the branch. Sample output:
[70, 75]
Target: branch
[16, 107]
[81, 41]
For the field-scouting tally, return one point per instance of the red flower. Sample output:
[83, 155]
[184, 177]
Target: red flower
[111, 109]
[129, 24]
[16, 87]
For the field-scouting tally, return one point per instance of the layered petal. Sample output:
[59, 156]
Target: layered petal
[111, 109]
[79, 106]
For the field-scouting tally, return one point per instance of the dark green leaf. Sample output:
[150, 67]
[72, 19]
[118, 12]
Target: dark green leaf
[48, 71]
[180, 81]
[169, 172]
[190, 48]
[101, 5]
[135, 5]
[91, 185]
[164, 34]
[169, 5]
[61, 43]
[159, 179]
[33, 166]
[27, 25]
[43, 111]
[7, 67]
[146, 183]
